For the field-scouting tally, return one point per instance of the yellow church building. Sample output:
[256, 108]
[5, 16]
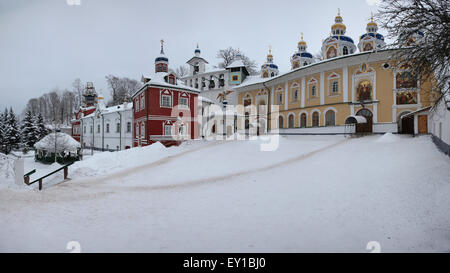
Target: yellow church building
[369, 89]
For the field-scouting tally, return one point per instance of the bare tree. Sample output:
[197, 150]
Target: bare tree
[182, 71]
[318, 57]
[420, 28]
[121, 88]
[78, 88]
[229, 54]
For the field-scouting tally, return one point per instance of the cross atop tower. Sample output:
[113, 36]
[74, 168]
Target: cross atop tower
[162, 46]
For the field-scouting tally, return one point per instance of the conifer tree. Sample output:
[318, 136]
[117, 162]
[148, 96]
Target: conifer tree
[29, 130]
[12, 131]
[40, 127]
[2, 138]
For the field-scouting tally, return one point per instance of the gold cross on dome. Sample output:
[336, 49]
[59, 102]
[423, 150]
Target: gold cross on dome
[270, 49]
[339, 11]
[162, 42]
[302, 35]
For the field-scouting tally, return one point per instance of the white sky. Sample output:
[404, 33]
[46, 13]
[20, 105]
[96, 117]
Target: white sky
[47, 44]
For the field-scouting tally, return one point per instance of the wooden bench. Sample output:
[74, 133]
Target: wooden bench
[26, 177]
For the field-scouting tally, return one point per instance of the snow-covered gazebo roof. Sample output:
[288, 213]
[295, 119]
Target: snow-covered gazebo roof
[64, 143]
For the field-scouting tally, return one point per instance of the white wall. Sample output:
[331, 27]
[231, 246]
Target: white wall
[319, 130]
[439, 122]
[111, 140]
[385, 128]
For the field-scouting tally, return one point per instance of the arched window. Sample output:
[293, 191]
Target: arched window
[280, 122]
[315, 119]
[143, 130]
[313, 91]
[291, 121]
[330, 118]
[345, 50]
[303, 120]
[305, 63]
[334, 87]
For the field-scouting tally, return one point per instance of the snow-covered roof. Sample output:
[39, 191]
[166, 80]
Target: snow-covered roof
[416, 112]
[236, 63]
[250, 80]
[64, 142]
[254, 81]
[159, 79]
[355, 120]
[200, 98]
[111, 109]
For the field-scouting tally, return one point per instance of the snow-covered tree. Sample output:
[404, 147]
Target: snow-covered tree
[12, 130]
[421, 29]
[40, 127]
[2, 129]
[29, 130]
[228, 55]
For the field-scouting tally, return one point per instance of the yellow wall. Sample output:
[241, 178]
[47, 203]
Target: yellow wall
[384, 86]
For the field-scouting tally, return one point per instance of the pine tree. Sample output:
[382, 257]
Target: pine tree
[29, 130]
[3, 132]
[40, 127]
[12, 131]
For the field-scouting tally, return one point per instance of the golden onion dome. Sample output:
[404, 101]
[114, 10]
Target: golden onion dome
[302, 42]
[338, 25]
[372, 23]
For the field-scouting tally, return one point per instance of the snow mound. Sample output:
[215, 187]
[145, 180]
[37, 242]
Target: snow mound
[6, 171]
[388, 138]
[108, 162]
[64, 142]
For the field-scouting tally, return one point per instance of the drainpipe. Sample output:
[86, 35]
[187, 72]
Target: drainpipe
[269, 107]
[120, 131]
[146, 125]
[103, 133]
[93, 137]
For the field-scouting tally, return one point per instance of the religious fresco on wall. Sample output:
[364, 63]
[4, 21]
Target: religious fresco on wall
[296, 65]
[364, 91]
[405, 80]
[368, 47]
[407, 97]
[332, 52]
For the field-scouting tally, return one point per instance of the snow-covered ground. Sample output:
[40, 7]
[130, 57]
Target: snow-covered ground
[315, 193]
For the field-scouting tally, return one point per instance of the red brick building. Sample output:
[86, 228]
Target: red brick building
[165, 109]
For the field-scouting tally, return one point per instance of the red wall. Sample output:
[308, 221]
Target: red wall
[155, 116]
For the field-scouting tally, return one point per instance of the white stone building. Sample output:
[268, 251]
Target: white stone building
[108, 128]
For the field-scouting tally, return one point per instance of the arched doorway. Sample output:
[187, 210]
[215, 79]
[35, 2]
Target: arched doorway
[365, 127]
[405, 125]
[291, 121]
[280, 122]
[262, 110]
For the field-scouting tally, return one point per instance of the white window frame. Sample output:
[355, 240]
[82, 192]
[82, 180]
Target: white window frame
[183, 105]
[168, 127]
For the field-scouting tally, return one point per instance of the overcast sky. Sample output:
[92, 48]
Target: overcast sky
[47, 43]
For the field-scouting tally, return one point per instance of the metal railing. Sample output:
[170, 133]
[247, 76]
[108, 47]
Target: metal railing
[26, 177]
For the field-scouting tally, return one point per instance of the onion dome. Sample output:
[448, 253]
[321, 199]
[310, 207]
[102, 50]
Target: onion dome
[161, 62]
[338, 28]
[301, 57]
[269, 69]
[371, 40]
[337, 44]
[197, 51]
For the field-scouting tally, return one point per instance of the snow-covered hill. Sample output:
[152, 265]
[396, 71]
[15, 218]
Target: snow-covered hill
[314, 193]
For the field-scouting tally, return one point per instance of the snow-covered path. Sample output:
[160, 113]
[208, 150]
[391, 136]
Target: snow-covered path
[313, 194]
